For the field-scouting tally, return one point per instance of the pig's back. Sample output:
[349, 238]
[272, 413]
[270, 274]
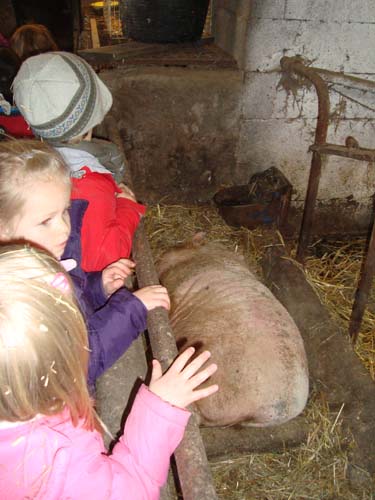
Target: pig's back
[219, 305]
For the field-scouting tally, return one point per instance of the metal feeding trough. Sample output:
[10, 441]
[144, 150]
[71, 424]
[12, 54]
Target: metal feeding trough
[263, 201]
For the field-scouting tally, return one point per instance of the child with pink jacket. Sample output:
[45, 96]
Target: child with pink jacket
[51, 445]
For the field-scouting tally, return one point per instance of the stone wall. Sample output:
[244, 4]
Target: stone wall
[277, 125]
[180, 128]
[189, 131]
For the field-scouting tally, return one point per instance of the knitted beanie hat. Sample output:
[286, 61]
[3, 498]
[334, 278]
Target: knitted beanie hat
[60, 96]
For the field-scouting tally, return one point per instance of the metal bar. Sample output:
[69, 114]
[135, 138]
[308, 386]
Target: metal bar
[191, 460]
[308, 212]
[295, 65]
[345, 80]
[319, 148]
[363, 290]
[361, 154]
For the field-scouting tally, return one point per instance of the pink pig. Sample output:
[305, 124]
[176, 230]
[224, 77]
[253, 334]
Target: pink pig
[219, 305]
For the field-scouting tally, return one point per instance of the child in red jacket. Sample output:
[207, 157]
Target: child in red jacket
[63, 99]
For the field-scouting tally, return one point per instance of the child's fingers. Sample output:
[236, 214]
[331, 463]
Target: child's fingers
[122, 268]
[160, 297]
[192, 368]
[126, 262]
[164, 304]
[117, 282]
[119, 274]
[204, 393]
[202, 376]
[164, 301]
[125, 188]
[181, 360]
[155, 288]
[126, 191]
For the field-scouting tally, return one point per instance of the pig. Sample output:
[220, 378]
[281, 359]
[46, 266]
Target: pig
[218, 304]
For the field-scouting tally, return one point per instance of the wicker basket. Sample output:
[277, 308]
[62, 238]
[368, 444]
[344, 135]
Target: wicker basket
[164, 21]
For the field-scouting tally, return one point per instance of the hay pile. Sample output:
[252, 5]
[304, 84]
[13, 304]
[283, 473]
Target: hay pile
[334, 273]
[316, 469]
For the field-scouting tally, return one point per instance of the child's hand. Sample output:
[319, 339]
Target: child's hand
[177, 384]
[153, 296]
[114, 275]
[126, 192]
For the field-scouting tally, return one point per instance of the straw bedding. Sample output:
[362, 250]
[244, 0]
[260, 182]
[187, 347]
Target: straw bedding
[316, 469]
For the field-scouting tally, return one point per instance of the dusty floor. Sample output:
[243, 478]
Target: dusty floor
[317, 469]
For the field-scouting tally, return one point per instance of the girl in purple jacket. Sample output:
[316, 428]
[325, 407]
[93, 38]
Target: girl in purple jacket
[50, 441]
[34, 206]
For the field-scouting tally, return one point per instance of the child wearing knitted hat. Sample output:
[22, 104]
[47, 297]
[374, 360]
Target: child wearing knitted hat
[63, 99]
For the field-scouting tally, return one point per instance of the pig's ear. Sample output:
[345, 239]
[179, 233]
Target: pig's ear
[199, 239]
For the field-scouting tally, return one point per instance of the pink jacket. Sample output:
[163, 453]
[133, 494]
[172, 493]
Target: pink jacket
[47, 458]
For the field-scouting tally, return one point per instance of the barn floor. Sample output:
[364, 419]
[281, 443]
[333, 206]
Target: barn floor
[325, 453]
[326, 462]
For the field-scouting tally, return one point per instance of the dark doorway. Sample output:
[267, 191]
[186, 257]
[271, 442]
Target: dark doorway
[59, 17]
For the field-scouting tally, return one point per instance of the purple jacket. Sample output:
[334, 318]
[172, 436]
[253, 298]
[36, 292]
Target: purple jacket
[112, 323]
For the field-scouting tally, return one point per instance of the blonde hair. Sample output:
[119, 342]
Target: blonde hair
[23, 162]
[32, 39]
[43, 340]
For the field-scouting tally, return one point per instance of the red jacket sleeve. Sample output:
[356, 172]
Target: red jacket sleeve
[109, 222]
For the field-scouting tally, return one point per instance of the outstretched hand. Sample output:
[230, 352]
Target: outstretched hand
[126, 192]
[177, 385]
[114, 275]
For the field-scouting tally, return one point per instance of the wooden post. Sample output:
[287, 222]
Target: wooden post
[94, 33]
[191, 460]
[107, 11]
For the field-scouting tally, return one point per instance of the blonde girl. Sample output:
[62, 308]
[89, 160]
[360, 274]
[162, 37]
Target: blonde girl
[35, 207]
[49, 445]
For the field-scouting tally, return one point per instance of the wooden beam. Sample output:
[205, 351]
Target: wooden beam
[94, 33]
[356, 153]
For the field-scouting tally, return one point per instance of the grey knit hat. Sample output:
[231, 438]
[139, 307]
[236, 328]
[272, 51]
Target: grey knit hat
[60, 96]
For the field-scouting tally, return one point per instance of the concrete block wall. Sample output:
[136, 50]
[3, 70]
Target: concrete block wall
[230, 22]
[180, 128]
[277, 126]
